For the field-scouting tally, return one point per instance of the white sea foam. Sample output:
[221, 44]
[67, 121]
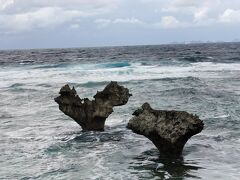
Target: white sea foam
[84, 73]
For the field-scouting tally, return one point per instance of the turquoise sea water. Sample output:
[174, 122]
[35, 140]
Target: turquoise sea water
[37, 141]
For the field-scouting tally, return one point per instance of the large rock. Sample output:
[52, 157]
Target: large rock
[91, 115]
[168, 130]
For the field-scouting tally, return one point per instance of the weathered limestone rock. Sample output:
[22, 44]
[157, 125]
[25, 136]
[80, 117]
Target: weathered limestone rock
[168, 130]
[91, 115]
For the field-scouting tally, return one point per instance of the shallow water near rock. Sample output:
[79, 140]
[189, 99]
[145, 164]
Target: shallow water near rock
[40, 142]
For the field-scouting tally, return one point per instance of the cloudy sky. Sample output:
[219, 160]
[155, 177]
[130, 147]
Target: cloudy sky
[84, 23]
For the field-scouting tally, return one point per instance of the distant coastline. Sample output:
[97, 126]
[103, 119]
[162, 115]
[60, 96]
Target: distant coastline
[131, 45]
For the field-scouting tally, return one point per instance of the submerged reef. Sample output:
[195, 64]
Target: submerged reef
[168, 130]
[92, 114]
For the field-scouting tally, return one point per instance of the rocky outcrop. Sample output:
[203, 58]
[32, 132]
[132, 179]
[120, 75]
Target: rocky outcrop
[168, 130]
[91, 115]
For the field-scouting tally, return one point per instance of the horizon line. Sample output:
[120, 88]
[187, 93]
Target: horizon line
[130, 45]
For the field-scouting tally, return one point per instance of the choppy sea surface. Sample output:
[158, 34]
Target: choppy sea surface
[37, 141]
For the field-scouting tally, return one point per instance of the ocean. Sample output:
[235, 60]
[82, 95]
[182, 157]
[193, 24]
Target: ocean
[37, 141]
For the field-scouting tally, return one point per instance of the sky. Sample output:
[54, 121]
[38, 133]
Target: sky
[91, 23]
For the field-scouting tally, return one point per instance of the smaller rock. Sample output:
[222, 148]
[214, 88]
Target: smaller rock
[168, 130]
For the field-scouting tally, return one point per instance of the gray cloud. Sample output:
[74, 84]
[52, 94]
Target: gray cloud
[92, 22]
[25, 15]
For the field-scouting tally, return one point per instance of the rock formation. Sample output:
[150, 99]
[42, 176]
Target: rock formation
[168, 130]
[91, 115]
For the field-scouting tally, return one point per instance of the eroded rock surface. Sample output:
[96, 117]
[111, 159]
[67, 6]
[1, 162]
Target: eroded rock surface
[168, 130]
[91, 115]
